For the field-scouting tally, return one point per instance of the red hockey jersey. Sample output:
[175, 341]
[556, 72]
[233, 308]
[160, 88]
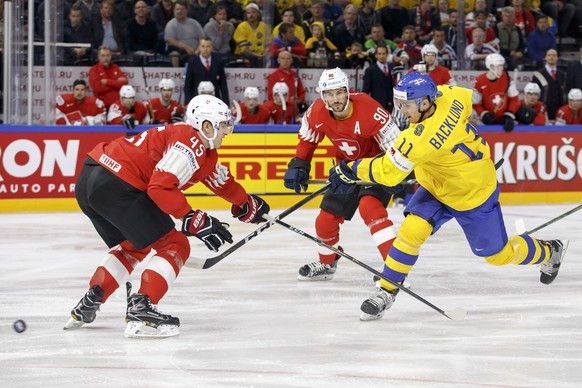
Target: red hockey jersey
[117, 112]
[542, 116]
[165, 161]
[494, 97]
[163, 114]
[91, 107]
[262, 116]
[368, 131]
[565, 116]
[276, 112]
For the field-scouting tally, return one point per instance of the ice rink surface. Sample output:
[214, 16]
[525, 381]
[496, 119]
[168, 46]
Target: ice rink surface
[247, 322]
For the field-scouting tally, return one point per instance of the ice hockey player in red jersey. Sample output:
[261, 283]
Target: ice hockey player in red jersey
[78, 108]
[127, 111]
[163, 109]
[281, 107]
[531, 110]
[571, 113]
[440, 74]
[356, 125]
[131, 188]
[251, 111]
[495, 96]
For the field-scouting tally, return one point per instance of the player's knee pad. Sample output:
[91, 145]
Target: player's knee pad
[327, 225]
[174, 247]
[414, 231]
[503, 257]
[371, 209]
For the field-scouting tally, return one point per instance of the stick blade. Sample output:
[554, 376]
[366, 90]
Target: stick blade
[195, 263]
[520, 227]
[456, 314]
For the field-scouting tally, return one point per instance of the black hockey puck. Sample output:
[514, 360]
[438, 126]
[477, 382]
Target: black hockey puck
[19, 326]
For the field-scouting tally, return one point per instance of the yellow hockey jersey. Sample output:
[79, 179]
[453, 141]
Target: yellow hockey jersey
[447, 154]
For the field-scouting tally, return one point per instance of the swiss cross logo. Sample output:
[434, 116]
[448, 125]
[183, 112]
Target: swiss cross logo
[392, 151]
[350, 148]
[331, 75]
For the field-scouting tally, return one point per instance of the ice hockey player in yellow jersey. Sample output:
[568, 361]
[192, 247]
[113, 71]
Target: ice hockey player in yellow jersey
[457, 180]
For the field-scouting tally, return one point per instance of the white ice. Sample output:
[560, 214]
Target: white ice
[247, 322]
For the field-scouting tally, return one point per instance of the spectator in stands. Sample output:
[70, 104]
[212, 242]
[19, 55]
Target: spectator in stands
[495, 96]
[142, 33]
[316, 12]
[480, 5]
[560, 11]
[424, 19]
[287, 41]
[439, 74]
[252, 37]
[251, 111]
[574, 74]
[368, 16]
[481, 22]
[162, 12]
[319, 48]
[280, 106]
[206, 87]
[163, 109]
[540, 40]
[409, 44]
[77, 30]
[284, 73]
[571, 114]
[378, 38]
[442, 12]
[89, 9]
[394, 18]
[108, 31]
[379, 79]
[451, 29]
[38, 18]
[220, 31]
[552, 81]
[106, 78]
[182, 34]
[78, 108]
[234, 11]
[201, 11]
[524, 19]
[333, 11]
[127, 111]
[289, 17]
[531, 110]
[447, 56]
[478, 51]
[301, 12]
[205, 66]
[273, 17]
[357, 58]
[511, 40]
[350, 31]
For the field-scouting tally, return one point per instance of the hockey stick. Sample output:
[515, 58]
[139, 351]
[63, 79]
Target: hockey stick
[284, 107]
[455, 315]
[520, 223]
[194, 262]
[147, 89]
[235, 106]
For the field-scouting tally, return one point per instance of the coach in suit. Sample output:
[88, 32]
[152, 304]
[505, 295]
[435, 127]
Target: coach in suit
[205, 67]
[552, 82]
[574, 74]
[378, 81]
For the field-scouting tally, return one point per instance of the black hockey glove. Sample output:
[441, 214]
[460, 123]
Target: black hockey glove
[252, 211]
[297, 175]
[508, 121]
[487, 118]
[342, 178]
[128, 122]
[208, 229]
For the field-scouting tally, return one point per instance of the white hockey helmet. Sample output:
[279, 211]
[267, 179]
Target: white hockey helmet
[206, 87]
[205, 107]
[280, 88]
[429, 49]
[494, 59]
[251, 92]
[166, 83]
[332, 79]
[532, 88]
[575, 94]
[127, 91]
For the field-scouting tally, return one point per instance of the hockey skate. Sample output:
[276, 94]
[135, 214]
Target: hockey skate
[549, 270]
[145, 321]
[317, 271]
[86, 309]
[374, 307]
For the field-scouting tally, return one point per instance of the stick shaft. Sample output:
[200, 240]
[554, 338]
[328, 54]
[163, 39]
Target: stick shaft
[558, 218]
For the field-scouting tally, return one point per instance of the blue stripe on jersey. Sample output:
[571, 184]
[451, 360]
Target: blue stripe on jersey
[531, 249]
